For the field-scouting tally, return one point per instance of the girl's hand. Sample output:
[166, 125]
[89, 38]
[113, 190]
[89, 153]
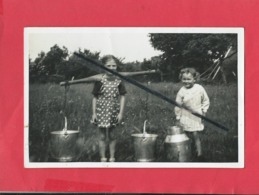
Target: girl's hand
[94, 119]
[119, 118]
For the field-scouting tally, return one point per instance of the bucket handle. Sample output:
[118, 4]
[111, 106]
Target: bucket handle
[65, 127]
[144, 138]
[144, 128]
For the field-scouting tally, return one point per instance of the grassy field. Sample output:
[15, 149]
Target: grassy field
[47, 100]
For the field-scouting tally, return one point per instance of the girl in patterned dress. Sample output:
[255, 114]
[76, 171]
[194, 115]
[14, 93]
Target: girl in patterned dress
[108, 107]
[194, 97]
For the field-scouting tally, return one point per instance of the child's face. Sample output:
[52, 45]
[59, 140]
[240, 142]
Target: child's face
[111, 64]
[188, 80]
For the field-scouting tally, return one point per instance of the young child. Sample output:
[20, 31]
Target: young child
[194, 97]
[108, 107]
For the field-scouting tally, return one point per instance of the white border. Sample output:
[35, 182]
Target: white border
[239, 31]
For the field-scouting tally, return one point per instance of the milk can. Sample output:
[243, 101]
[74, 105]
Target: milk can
[177, 145]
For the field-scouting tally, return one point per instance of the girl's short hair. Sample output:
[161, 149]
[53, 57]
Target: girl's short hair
[192, 71]
[106, 58]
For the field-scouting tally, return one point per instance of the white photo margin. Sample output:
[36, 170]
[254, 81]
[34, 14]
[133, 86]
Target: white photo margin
[238, 30]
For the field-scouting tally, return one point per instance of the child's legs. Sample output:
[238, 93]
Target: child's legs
[102, 142]
[197, 140]
[112, 143]
[192, 144]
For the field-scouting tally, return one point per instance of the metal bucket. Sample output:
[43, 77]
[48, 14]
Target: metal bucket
[144, 147]
[63, 145]
[177, 145]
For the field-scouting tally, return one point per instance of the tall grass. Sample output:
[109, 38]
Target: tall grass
[47, 100]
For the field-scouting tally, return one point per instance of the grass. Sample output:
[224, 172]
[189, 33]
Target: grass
[47, 100]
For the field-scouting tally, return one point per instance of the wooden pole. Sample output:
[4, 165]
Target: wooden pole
[98, 77]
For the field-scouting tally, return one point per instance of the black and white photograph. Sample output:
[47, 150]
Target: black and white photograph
[133, 97]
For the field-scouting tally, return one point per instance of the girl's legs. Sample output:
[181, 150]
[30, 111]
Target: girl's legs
[112, 144]
[102, 144]
[105, 134]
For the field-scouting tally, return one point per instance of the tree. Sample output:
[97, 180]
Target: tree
[146, 64]
[47, 65]
[190, 50]
[54, 58]
[35, 68]
[78, 68]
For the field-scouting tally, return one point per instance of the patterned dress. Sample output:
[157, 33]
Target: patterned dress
[108, 93]
[196, 99]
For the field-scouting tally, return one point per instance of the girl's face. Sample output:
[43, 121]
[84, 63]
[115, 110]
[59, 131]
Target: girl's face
[111, 64]
[188, 80]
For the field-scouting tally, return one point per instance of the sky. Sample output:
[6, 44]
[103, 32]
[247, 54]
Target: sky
[130, 45]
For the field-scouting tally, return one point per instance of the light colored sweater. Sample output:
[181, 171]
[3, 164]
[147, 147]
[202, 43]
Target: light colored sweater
[195, 99]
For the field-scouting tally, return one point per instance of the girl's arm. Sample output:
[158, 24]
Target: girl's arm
[94, 118]
[205, 102]
[122, 105]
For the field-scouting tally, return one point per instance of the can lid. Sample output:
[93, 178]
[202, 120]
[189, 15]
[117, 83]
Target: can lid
[175, 130]
[176, 138]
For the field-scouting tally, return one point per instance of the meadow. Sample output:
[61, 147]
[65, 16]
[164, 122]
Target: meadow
[47, 100]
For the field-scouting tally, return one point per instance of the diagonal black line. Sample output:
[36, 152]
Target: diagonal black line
[151, 91]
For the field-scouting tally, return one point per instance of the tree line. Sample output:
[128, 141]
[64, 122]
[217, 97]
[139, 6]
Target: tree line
[200, 51]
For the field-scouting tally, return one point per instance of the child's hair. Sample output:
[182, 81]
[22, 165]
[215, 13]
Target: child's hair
[106, 58]
[192, 71]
